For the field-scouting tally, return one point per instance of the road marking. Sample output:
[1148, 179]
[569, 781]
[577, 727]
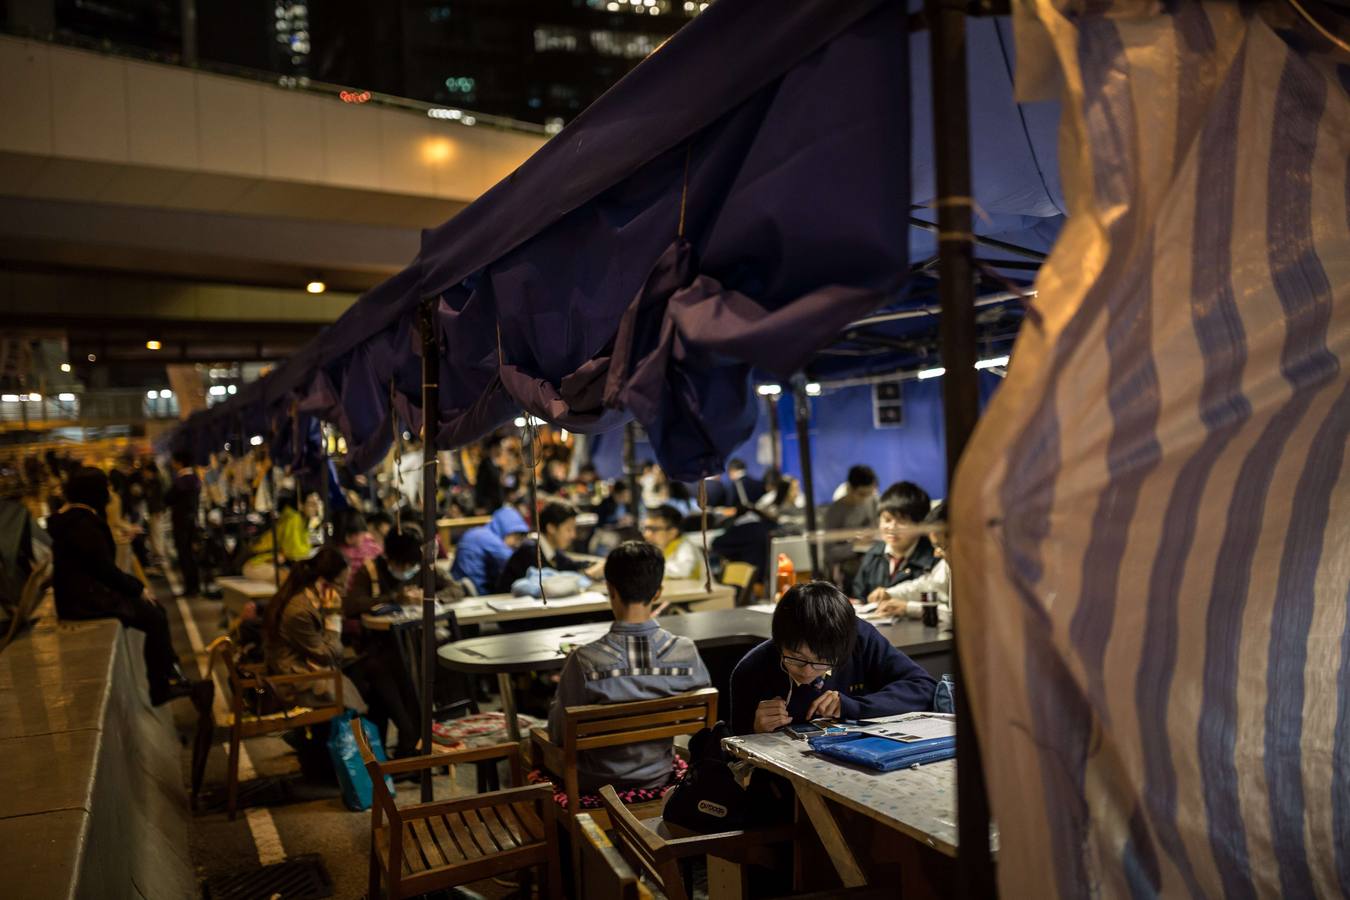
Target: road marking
[260, 823]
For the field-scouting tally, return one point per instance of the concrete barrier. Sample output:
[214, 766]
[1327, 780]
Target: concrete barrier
[92, 802]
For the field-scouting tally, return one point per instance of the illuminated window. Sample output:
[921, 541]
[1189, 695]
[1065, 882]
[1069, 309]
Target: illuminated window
[556, 39]
[628, 45]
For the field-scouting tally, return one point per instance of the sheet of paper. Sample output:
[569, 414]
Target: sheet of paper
[912, 726]
[761, 607]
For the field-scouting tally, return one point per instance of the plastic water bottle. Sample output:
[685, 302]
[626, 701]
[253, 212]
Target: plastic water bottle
[787, 575]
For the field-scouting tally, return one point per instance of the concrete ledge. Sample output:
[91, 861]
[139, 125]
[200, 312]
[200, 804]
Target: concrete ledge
[92, 803]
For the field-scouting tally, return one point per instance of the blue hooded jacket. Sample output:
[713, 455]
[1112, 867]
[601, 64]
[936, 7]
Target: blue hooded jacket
[481, 554]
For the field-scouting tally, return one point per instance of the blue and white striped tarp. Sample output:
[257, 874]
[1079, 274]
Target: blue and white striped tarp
[1152, 522]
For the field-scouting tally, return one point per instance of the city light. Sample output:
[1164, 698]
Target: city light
[166, 394]
[65, 367]
[992, 363]
[217, 390]
[9, 398]
[66, 398]
[151, 395]
[31, 398]
[152, 345]
[354, 96]
[769, 390]
[451, 114]
[925, 374]
[812, 389]
[316, 287]
[92, 358]
[437, 150]
[231, 389]
[255, 441]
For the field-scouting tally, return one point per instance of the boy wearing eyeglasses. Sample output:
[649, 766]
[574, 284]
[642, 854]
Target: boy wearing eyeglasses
[823, 662]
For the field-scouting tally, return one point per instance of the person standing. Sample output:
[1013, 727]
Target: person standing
[183, 498]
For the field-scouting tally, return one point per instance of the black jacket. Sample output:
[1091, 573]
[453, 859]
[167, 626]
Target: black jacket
[875, 570]
[183, 498]
[524, 557]
[85, 577]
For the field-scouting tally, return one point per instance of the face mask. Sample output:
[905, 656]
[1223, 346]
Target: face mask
[406, 575]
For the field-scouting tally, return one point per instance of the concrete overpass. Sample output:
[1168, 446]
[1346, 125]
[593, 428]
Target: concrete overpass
[138, 196]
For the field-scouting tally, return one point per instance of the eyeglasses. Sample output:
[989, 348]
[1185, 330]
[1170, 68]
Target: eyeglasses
[799, 663]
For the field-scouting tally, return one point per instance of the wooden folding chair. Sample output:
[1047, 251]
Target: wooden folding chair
[614, 725]
[740, 575]
[604, 871]
[243, 683]
[449, 843]
[651, 852]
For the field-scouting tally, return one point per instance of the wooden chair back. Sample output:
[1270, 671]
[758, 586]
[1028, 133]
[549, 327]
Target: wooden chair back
[605, 872]
[644, 849]
[616, 724]
[740, 575]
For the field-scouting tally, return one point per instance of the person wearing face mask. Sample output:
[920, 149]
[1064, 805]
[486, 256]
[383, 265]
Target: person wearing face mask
[823, 662]
[395, 577]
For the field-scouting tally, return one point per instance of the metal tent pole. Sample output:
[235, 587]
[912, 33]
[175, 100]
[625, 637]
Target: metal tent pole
[276, 514]
[431, 358]
[802, 411]
[326, 487]
[956, 251]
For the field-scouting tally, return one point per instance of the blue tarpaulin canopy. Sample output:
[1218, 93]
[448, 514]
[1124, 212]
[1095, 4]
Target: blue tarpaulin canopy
[733, 205]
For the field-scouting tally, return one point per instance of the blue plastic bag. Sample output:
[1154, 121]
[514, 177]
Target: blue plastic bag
[881, 753]
[351, 771]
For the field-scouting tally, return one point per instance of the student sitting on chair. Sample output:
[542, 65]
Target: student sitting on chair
[482, 552]
[906, 598]
[636, 660]
[558, 529]
[823, 662]
[293, 544]
[903, 553]
[661, 527]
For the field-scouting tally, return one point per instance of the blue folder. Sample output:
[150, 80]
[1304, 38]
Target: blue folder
[880, 753]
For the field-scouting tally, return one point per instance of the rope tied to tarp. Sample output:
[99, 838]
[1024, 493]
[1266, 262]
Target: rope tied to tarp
[684, 190]
[533, 434]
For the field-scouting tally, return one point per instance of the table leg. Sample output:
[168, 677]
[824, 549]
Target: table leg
[828, 831]
[508, 692]
[726, 879]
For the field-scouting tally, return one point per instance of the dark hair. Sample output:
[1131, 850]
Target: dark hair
[861, 476]
[667, 513]
[635, 569]
[555, 514]
[818, 616]
[328, 564]
[937, 515]
[780, 493]
[88, 486]
[287, 500]
[353, 523]
[587, 469]
[379, 518]
[404, 547]
[905, 500]
[679, 490]
[619, 487]
[736, 463]
[182, 457]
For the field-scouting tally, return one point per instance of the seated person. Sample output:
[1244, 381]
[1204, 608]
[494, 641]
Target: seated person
[381, 523]
[662, 528]
[381, 673]
[394, 577]
[904, 599]
[292, 536]
[88, 584]
[615, 511]
[482, 553]
[558, 524]
[358, 545]
[903, 552]
[854, 510]
[823, 662]
[636, 660]
[302, 628]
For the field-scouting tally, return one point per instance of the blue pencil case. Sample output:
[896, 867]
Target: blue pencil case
[883, 754]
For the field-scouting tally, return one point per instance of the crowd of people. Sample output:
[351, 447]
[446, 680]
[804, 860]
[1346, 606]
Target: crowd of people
[340, 545]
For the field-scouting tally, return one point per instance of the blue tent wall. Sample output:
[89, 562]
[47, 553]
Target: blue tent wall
[841, 436]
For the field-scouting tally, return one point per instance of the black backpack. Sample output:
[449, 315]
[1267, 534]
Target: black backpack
[710, 800]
